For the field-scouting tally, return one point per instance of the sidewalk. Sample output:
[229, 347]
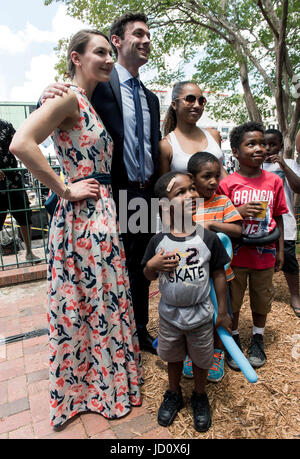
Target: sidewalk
[24, 385]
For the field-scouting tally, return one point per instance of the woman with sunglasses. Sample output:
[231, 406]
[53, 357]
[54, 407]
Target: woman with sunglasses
[183, 137]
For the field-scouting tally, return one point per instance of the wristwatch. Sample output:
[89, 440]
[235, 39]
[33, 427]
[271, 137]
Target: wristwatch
[66, 192]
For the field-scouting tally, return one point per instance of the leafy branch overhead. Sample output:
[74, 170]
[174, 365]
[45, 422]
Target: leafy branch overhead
[248, 45]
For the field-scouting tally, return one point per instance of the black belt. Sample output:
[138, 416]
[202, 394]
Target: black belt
[51, 203]
[100, 177]
[139, 185]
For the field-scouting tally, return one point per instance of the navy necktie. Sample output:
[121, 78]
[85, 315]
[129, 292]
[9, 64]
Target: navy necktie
[134, 83]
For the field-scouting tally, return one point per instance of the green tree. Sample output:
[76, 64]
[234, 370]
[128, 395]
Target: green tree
[251, 44]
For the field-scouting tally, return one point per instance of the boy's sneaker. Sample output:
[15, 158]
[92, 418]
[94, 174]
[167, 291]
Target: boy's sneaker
[230, 361]
[216, 371]
[256, 353]
[201, 410]
[172, 403]
[188, 368]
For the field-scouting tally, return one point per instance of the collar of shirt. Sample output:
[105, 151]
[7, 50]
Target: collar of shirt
[123, 73]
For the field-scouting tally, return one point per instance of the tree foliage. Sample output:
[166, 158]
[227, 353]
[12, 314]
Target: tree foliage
[248, 44]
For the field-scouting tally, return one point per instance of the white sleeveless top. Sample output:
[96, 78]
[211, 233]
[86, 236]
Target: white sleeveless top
[180, 159]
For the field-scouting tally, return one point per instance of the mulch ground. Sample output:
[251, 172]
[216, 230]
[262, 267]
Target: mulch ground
[267, 409]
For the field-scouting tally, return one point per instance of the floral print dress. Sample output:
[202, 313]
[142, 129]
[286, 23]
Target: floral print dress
[95, 360]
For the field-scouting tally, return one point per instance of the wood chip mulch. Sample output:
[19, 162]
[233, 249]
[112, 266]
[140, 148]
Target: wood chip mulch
[267, 409]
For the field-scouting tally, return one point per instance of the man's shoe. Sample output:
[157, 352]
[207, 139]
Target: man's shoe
[216, 371]
[171, 404]
[232, 363]
[146, 341]
[188, 368]
[201, 410]
[256, 353]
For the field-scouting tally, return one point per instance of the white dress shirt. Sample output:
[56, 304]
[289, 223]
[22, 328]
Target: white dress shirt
[130, 138]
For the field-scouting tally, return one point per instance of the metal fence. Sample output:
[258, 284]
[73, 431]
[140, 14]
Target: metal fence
[12, 245]
[13, 237]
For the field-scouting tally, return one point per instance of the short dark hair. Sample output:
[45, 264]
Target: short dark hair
[197, 160]
[160, 188]
[275, 132]
[79, 43]
[119, 25]
[237, 134]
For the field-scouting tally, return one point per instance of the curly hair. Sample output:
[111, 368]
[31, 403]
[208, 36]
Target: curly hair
[237, 134]
[275, 132]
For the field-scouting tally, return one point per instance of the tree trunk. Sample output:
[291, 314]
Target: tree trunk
[290, 135]
[279, 41]
[254, 113]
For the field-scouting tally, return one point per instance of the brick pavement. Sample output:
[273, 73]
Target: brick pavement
[24, 384]
[26, 271]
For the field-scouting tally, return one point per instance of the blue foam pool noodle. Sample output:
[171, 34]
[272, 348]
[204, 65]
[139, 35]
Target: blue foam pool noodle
[155, 343]
[225, 336]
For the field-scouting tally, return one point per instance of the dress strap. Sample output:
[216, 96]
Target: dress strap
[175, 144]
[168, 140]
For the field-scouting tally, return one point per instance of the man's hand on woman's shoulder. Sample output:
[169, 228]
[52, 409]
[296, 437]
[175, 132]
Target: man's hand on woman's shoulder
[54, 89]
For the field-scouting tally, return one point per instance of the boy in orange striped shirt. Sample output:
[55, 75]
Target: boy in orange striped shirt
[217, 214]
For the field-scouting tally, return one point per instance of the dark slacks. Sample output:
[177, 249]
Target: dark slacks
[136, 228]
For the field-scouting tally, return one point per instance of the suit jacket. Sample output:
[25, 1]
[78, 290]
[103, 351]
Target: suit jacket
[107, 102]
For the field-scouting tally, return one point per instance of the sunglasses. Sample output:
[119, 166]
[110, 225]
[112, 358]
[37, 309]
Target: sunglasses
[190, 99]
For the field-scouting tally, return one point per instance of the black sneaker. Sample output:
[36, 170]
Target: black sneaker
[201, 410]
[256, 353]
[232, 363]
[172, 403]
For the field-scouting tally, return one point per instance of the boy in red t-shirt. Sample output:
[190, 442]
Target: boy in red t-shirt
[259, 198]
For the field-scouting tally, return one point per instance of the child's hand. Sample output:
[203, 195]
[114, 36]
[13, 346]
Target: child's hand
[278, 159]
[279, 261]
[224, 320]
[207, 225]
[164, 262]
[250, 209]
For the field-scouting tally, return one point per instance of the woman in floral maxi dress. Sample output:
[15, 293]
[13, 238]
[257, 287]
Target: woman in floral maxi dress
[95, 361]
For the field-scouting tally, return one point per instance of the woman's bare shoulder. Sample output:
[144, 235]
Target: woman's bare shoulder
[164, 143]
[215, 133]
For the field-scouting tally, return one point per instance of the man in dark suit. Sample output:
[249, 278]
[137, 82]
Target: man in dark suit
[130, 39]
[133, 176]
